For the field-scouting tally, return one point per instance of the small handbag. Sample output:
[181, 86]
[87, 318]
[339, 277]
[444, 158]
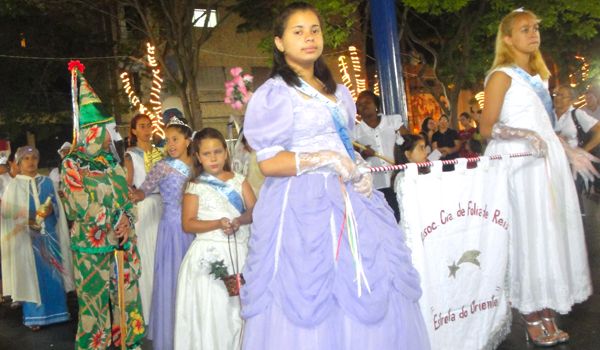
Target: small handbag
[582, 136]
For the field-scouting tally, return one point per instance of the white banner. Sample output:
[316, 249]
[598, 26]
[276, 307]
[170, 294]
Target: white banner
[457, 225]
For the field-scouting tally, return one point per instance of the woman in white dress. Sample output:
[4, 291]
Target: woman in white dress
[139, 159]
[217, 207]
[548, 258]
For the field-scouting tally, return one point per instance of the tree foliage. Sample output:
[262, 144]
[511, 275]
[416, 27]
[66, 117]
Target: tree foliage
[338, 15]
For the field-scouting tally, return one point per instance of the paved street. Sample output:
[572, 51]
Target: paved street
[583, 323]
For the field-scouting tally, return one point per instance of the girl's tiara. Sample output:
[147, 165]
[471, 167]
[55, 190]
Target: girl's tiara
[177, 121]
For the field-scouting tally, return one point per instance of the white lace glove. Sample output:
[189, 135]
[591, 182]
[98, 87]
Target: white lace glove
[503, 132]
[363, 183]
[581, 163]
[341, 164]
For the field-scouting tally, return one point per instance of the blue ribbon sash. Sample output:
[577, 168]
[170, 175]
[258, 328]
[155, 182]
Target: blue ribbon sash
[336, 114]
[225, 189]
[180, 166]
[539, 90]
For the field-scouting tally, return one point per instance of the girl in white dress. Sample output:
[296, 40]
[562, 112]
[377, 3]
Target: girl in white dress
[548, 258]
[217, 207]
[139, 159]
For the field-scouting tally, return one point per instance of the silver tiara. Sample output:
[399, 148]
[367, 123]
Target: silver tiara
[177, 121]
[520, 9]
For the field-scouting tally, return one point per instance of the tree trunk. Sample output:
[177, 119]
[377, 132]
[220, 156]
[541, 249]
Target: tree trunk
[453, 101]
[187, 112]
[194, 106]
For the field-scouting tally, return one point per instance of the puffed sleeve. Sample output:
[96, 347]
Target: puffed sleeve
[269, 119]
[348, 104]
[395, 120]
[193, 188]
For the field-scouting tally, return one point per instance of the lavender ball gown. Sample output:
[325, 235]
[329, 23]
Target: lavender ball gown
[297, 294]
[170, 175]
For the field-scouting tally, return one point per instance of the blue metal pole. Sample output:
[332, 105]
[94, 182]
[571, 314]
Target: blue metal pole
[387, 52]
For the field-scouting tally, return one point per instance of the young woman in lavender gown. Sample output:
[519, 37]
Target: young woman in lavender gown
[306, 288]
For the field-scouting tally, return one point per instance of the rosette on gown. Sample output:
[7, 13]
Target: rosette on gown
[548, 256]
[297, 294]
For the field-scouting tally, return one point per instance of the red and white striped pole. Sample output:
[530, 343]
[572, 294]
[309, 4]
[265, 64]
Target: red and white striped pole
[377, 169]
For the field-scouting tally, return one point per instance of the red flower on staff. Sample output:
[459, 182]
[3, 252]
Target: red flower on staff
[98, 339]
[76, 64]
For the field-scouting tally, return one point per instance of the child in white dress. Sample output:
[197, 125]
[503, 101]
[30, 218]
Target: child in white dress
[217, 207]
[139, 159]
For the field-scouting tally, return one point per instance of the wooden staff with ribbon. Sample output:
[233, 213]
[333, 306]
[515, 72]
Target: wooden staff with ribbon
[380, 156]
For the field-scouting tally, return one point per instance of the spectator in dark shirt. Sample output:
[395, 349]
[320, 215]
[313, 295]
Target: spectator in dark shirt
[446, 141]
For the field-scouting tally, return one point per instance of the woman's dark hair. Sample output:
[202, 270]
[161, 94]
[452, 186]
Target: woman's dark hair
[208, 133]
[425, 130]
[410, 142]
[424, 125]
[133, 126]
[280, 66]
[466, 115]
[372, 95]
[185, 130]
[475, 146]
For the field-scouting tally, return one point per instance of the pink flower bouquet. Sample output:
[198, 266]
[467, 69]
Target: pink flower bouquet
[237, 90]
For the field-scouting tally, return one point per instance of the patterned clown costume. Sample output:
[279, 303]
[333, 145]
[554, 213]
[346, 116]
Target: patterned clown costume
[96, 191]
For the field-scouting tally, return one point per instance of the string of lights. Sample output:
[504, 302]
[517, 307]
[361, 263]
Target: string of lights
[155, 89]
[351, 72]
[19, 57]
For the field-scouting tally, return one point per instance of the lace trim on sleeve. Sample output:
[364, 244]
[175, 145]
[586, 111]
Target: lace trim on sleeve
[159, 171]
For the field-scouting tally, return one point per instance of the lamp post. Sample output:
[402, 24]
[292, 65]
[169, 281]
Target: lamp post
[387, 52]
